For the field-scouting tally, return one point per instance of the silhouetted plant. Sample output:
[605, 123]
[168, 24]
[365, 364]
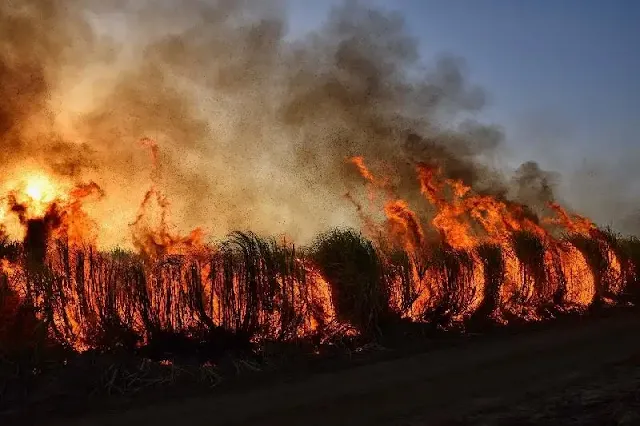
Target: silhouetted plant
[493, 264]
[453, 290]
[530, 249]
[354, 270]
[597, 260]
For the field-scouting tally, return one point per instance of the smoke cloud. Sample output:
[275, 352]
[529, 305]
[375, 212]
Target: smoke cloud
[254, 128]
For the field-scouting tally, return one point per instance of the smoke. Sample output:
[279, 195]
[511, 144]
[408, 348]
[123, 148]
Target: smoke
[608, 189]
[254, 128]
[604, 187]
[40, 41]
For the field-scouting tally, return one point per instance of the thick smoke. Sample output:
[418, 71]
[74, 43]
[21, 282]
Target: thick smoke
[254, 128]
[41, 40]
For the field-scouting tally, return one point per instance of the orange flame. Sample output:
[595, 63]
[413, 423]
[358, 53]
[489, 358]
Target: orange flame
[184, 282]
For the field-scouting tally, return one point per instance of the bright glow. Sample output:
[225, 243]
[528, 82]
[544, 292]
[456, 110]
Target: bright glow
[37, 188]
[37, 191]
[40, 189]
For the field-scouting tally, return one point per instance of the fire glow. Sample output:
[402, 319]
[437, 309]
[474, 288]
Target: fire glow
[36, 191]
[478, 255]
[253, 130]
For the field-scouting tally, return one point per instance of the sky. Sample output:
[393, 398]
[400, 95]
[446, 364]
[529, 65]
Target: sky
[562, 76]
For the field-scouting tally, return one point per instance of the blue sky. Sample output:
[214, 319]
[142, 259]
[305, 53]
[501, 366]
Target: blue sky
[563, 76]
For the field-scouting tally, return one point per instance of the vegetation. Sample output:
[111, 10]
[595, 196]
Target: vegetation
[250, 289]
[249, 297]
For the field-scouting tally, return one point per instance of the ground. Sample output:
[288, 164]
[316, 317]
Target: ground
[585, 373]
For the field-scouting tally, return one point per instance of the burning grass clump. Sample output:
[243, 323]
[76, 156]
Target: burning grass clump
[399, 277]
[594, 252]
[621, 262]
[352, 266]
[494, 271]
[631, 249]
[451, 272]
[260, 287]
[530, 250]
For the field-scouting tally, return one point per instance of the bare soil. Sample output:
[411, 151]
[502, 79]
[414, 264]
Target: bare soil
[585, 373]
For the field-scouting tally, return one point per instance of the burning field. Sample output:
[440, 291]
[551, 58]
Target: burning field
[136, 141]
[479, 257]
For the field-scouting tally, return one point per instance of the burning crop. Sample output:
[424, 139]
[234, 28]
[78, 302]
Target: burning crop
[478, 257]
[473, 240]
[119, 203]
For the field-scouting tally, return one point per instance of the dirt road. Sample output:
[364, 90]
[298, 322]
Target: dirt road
[485, 380]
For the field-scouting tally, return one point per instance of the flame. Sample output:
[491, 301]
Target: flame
[35, 191]
[40, 189]
[537, 267]
[459, 254]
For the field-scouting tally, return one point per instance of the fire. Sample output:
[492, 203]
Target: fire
[35, 191]
[40, 189]
[60, 256]
[537, 267]
[279, 132]
[460, 255]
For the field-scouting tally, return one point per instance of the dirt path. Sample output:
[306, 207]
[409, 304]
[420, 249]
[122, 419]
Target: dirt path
[481, 380]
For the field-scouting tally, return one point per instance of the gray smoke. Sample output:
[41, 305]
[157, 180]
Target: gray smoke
[254, 128]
